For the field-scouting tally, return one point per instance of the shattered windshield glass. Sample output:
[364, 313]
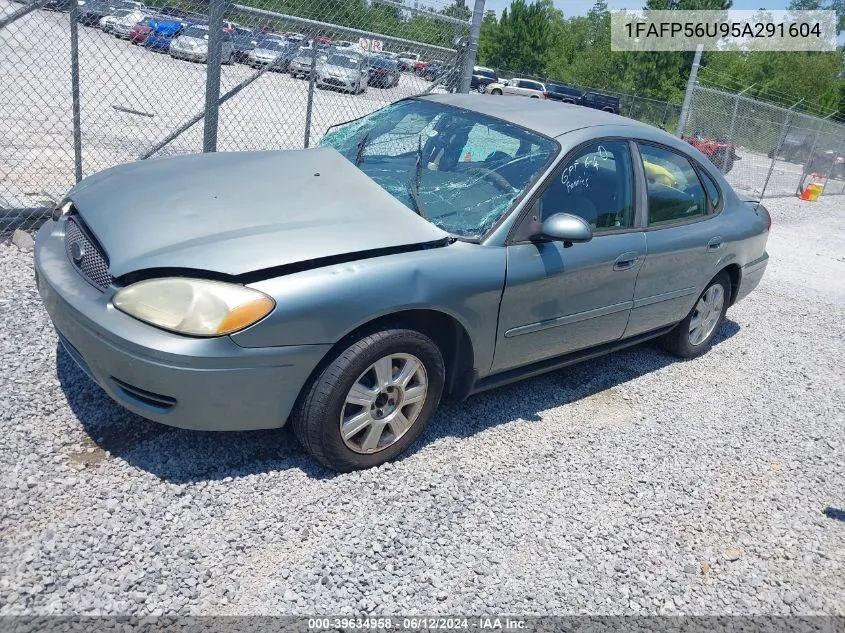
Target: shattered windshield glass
[458, 169]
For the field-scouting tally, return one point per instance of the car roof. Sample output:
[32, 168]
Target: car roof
[546, 117]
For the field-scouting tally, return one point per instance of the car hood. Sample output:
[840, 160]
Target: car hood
[266, 52]
[235, 213]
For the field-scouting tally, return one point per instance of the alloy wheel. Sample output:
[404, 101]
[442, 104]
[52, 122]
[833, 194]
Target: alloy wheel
[383, 403]
[708, 310]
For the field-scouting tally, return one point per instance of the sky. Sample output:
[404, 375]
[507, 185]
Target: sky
[581, 7]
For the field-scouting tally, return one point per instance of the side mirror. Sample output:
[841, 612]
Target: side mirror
[566, 228]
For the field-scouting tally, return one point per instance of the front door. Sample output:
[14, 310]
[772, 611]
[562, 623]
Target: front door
[560, 299]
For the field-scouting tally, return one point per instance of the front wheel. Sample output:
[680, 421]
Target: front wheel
[370, 403]
[496, 91]
[692, 336]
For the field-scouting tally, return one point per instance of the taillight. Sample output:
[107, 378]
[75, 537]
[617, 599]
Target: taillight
[545, 95]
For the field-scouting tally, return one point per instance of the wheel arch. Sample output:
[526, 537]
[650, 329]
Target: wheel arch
[735, 274]
[447, 332]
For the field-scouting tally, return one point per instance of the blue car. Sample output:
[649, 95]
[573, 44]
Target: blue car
[162, 34]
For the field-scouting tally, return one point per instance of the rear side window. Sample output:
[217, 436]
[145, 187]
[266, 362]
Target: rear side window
[675, 193]
[712, 189]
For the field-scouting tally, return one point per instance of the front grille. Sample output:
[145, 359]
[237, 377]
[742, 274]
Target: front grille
[334, 82]
[89, 260]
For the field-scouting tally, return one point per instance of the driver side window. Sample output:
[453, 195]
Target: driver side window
[596, 185]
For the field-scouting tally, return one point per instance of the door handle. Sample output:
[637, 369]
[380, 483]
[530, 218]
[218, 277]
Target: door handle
[625, 261]
[715, 244]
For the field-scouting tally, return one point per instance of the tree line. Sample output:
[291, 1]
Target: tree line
[537, 39]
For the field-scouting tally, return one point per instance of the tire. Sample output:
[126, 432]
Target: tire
[679, 341]
[316, 419]
[496, 92]
[534, 97]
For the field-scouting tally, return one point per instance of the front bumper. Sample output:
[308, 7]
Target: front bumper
[205, 384]
[193, 55]
[338, 83]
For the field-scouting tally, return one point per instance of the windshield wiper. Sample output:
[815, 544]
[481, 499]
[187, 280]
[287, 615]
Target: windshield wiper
[359, 153]
[414, 181]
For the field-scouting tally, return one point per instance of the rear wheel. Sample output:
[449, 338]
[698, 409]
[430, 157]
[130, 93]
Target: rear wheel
[372, 401]
[692, 336]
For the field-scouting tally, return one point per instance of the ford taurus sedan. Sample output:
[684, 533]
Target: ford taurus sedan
[442, 245]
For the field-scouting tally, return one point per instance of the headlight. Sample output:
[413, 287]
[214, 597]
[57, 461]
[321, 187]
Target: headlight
[196, 307]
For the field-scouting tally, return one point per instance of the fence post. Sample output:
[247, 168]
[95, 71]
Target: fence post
[776, 151]
[311, 85]
[216, 8]
[74, 90]
[472, 47]
[809, 162]
[693, 74]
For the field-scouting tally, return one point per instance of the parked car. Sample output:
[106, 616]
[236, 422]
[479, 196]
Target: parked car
[518, 88]
[173, 12]
[139, 32]
[794, 145]
[827, 163]
[383, 71]
[93, 11]
[721, 151]
[354, 295]
[242, 46]
[192, 44]
[407, 60]
[564, 93]
[60, 5]
[481, 77]
[123, 27]
[273, 53]
[435, 69]
[599, 101]
[343, 71]
[127, 16]
[162, 34]
[300, 65]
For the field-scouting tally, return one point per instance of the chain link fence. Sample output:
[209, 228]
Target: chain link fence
[663, 114]
[777, 149]
[89, 84]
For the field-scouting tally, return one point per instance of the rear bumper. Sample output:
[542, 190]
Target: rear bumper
[751, 275]
[206, 384]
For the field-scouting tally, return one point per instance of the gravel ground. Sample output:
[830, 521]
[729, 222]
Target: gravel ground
[630, 484]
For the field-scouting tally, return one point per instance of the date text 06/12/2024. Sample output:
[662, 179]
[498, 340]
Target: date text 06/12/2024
[420, 623]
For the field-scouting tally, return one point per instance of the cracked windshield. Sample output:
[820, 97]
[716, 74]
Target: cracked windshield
[459, 170]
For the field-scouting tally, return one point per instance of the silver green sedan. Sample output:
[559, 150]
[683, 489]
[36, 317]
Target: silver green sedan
[438, 247]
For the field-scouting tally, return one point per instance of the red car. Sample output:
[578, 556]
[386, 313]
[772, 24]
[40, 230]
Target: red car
[420, 66]
[139, 32]
[721, 152]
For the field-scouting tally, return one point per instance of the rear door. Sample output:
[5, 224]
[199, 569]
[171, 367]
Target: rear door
[560, 299]
[683, 239]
